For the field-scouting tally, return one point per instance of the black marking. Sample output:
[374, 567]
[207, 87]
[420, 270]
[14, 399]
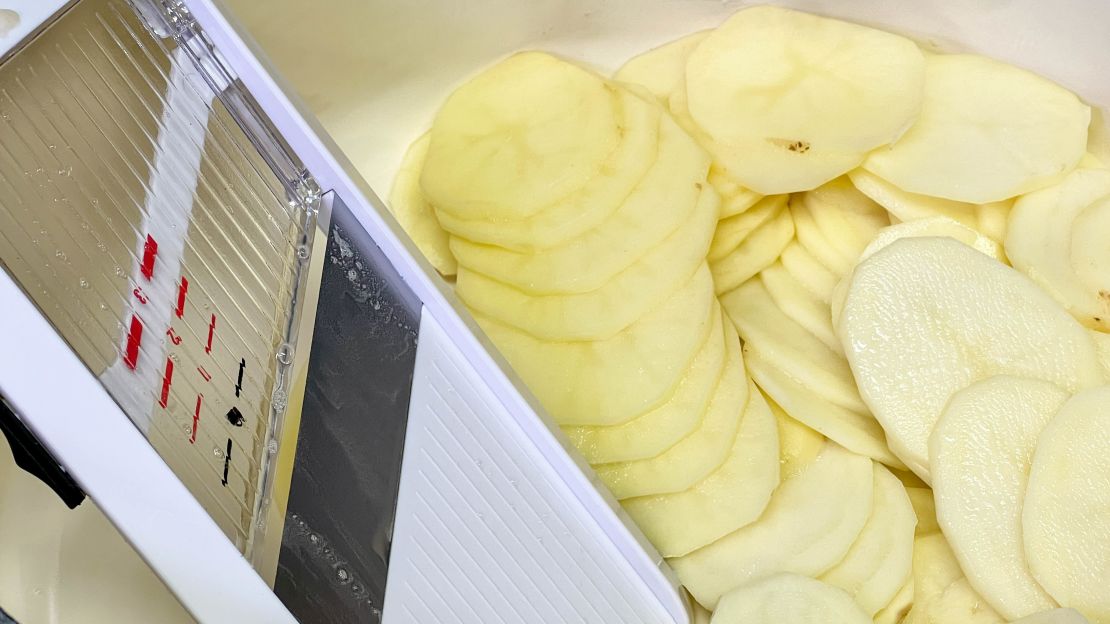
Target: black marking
[239, 383]
[227, 460]
[235, 417]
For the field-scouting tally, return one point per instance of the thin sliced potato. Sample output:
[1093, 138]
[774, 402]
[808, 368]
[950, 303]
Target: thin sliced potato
[733, 231]
[878, 563]
[591, 383]
[942, 594]
[979, 454]
[661, 70]
[416, 216]
[788, 599]
[798, 444]
[731, 497]
[802, 306]
[925, 317]
[808, 526]
[757, 252]
[988, 131]
[659, 429]
[1066, 517]
[908, 206]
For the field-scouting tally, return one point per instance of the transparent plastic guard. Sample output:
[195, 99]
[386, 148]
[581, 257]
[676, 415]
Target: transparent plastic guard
[155, 219]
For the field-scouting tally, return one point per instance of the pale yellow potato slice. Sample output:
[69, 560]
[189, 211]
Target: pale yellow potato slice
[878, 563]
[919, 228]
[895, 611]
[663, 200]
[1058, 237]
[1066, 517]
[798, 444]
[990, 219]
[520, 136]
[814, 241]
[803, 86]
[599, 314]
[587, 207]
[790, 347]
[802, 306]
[858, 432]
[847, 218]
[415, 215]
[733, 231]
[925, 317]
[1054, 616]
[757, 252]
[697, 455]
[908, 206]
[699, 615]
[942, 594]
[734, 198]
[925, 508]
[979, 456]
[987, 131]
[732, 496]
[659, 429]
[612, 381]
[808, 526]
[809, 271]
[661, 70]
[788, 599]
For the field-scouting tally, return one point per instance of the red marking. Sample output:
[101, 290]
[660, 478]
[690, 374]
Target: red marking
[204, 373]
[211, 330]
[134, 337]
[150, 250]
[138, 292]
[174, 338]
[196, 419]
[167, 379]
[181, 290]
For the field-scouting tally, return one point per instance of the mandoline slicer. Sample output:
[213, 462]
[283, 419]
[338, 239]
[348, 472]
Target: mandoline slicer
[212, 326]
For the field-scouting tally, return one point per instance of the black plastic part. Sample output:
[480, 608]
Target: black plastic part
[5, 618]
[32, 456]
[342, 501]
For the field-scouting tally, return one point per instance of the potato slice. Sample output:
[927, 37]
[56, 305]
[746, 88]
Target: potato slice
[809, 271]
[925, 317]
[878, 563]
[1054, 616]
[734, 198]
[612, 381]
[908, 206]
[525, 133]
[814, 241]
[664, 199]
[661, 70]
[781, 90]
[847, 218]
[808, 526]
[415, 215]
[1058, 235]
[732, 496]
[733, 231]
[895, 611]
[991, 219]
[587, 207]
[599, 314]
[798, 444]
[657, 430]
[1066, 518]
[789, 347]
[757, 252]
[856, 431]
[979, 456]
[988, 131]
[1102, 346]
[788, 599]
[800, 305]
[920, 228]
[942, 594]
[697, 455]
